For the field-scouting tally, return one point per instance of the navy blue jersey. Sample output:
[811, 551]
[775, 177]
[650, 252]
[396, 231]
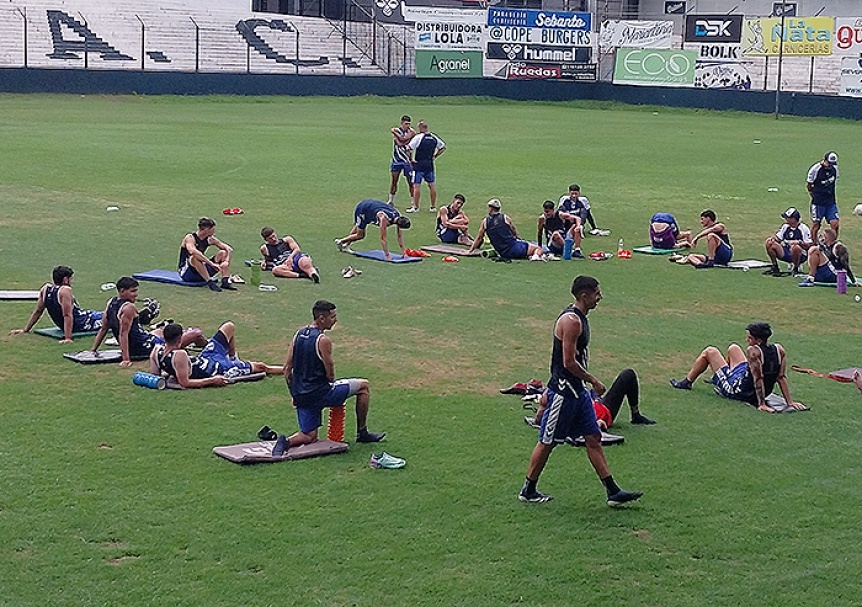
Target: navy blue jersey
[424, 149]
[141, 342]
[771, 368]
[277, 253]
[201, 244]
[199, 367]
[308, 380]
[562, 380]
[80, 319]
[499, 233]
[450, 214]
[367, 212]
[822, 180]
[554, 224]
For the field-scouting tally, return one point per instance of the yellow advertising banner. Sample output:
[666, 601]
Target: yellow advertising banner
[800, 36]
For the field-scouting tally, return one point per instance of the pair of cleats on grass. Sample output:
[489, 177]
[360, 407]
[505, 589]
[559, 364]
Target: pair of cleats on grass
[226, 285]
[614, 499]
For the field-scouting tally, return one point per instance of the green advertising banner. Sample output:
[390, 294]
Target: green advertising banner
[448, 64]
[655, 67]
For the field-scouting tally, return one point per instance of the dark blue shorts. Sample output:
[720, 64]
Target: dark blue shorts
[567, 416]
[310, 417]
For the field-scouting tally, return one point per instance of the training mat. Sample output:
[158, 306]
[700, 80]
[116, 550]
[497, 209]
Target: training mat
[451, 249]
[779, 405]
[746, 263]
[88, 357]
[607, 440]
[378, 255]
[18, 295]
[171, 277]
[842, 375]
[834, 285]
[57, 333]
[173, 384]
[650, 250]
[261, 451]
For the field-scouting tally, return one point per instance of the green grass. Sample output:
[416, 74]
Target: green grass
[112, 497]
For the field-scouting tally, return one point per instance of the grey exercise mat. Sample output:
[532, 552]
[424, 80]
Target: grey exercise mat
[88, 357]
[173, 384]
[261, 451]
[19, 295]
[57, 333]
[779, 405]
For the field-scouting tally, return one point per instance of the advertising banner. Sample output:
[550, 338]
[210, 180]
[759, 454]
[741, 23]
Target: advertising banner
[448, 64]
[537, 53]
[636, 34]
[707, 29]
[721, 75]
[801, 37]
[510, 17]
[534, 35]
[431, 13]
[449, 35]
[851, 77]
[674, 7]
[583, 72]
[655, 67]
[848, 36]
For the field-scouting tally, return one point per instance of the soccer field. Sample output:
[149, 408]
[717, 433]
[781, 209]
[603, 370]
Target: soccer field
[111, 494]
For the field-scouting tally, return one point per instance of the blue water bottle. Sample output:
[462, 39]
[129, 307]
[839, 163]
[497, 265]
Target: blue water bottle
[567, 247]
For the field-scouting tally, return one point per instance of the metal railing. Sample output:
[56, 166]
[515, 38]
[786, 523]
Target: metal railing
[375, 41]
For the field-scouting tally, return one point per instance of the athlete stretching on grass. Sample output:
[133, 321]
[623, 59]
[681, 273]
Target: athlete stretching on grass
[310, 374]
[570, 405]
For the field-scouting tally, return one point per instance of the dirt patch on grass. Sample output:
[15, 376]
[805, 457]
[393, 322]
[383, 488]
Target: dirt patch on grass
[126, 559]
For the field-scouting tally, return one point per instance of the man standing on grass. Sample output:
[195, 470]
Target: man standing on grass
[402, 161]
[426, 147]
[821, 187]
[570, 406]
[310, 375]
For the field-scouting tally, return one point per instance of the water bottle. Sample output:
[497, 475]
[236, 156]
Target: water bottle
[255, 274]
[568, 243]
[148, 380]
[841, 282]
[620, 247]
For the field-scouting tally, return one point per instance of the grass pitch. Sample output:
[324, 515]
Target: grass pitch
[112, 497]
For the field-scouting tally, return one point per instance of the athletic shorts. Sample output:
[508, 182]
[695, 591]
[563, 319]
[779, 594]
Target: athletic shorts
[825, 273]
[828, 211]
[402, 167]
[310, 417]
[731, 383]
[418, 176]
[449, 236]
[786, 256]
[518, 250]
[217, 355]
[555, 248]
[141, 349]
[567, 416]
[189, 274]
[88, 320]
[294, 264]
[723, 254]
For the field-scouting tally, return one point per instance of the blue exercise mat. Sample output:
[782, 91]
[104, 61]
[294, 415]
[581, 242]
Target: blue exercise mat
[171, 277]
[378, 255]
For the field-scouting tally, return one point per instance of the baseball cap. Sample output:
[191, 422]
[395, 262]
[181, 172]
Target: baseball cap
[831, 158]
[791, 212]
[494, 202]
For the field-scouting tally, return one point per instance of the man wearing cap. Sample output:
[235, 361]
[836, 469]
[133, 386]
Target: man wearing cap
[821, 187]
[790, 243]
[375, 212]
[503, 235]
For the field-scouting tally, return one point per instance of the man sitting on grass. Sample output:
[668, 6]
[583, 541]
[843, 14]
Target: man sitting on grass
[214, 366]
[283, 257]
[718, 247]
[664, 232]
[58, 300]
[790, 243]
[194, 266]
[503, 235]
[827, 259]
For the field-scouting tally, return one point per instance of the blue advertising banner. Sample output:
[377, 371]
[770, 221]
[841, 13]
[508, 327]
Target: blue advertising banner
[511, 17]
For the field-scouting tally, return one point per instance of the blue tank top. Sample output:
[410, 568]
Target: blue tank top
[499, 233]
[200, 367]
[368, 209]
[771, 368]
[554, 224]
[201, 244]
[308, 381]
[562, 380]
[277, 253]
[55, 309]
[141, 342]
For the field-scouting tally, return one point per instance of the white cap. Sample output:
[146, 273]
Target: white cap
[831, 158]
[495, 203]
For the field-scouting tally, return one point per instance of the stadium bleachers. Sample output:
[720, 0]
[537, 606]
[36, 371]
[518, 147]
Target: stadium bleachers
[217, 36]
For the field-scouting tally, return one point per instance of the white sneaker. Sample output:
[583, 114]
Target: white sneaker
[348, 272]
[432, 210]
[236, 279]
[411, 210]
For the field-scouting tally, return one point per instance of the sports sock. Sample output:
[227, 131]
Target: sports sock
[610, 486]
[529, 486]
[392, 199]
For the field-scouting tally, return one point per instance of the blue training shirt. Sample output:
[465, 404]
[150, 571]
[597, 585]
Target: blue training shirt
[367, 212]
[308, 381]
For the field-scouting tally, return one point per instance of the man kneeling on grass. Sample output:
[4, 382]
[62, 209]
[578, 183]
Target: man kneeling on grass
[214, 366]
[310, 374]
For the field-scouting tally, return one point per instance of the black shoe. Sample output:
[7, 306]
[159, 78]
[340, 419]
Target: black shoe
[315, 278]
[772, 272]
[365, 436]
[280, 447]
[267, 433]
[213, 286]
[682, 384]
[622, 496]
[534, 496]
[577, 254]
[639, 418]
[707, 264]
[226, 286]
